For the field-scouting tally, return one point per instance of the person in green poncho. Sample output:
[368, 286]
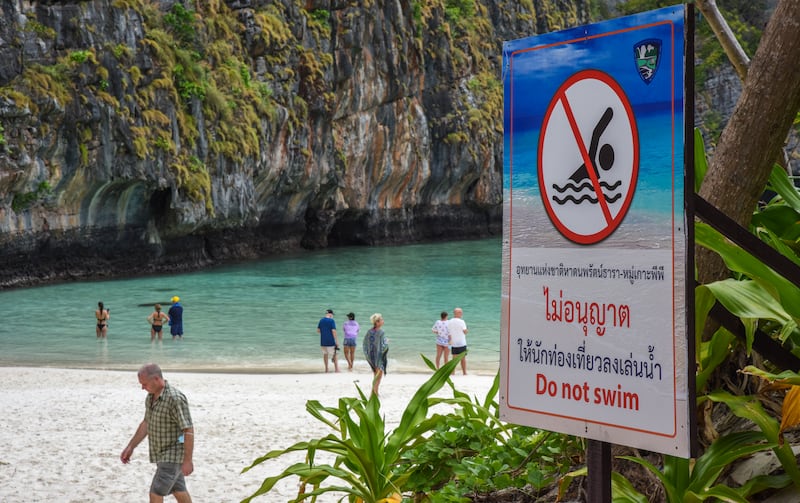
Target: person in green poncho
[376, 349]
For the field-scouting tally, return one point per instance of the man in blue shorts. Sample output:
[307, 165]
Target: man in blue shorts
[168, 425]
[327, 339]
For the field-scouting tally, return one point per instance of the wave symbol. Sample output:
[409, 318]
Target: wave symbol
[585, 185]
[585, 197]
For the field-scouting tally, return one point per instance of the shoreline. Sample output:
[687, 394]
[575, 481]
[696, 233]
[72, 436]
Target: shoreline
[256, 371]
[64, 428]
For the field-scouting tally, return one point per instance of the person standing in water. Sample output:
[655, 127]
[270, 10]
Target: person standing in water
[442, 338]
[156, 320]
[176, 318]
[350, 328]
[376, 350]
[102, 315]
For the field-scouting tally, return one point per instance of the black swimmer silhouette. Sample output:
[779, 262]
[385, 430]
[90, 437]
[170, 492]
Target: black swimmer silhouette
[606, 157]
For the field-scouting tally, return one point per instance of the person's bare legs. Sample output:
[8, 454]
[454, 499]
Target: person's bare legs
[464, 365]
[325, 359]
[441, 351]
[376, 381]
[349, 355]
[335, 362]
[183, 497]
[153, 334]
[180, 497]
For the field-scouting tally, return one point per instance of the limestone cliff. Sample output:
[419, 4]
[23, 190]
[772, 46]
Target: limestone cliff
[146, 135]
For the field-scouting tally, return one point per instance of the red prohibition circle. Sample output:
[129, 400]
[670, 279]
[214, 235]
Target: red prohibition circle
[612, 221]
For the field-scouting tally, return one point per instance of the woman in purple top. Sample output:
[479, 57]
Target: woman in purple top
[350, 328]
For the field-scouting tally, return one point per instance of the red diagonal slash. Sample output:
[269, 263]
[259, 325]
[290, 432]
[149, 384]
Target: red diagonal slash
[590, 167]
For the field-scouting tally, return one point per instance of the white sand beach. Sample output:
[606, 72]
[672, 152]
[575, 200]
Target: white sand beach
[62, 431]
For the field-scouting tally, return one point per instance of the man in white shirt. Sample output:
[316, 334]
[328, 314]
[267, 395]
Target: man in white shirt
[458, 337]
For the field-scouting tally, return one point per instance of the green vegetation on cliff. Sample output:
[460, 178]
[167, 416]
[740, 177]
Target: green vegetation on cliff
[198, 75]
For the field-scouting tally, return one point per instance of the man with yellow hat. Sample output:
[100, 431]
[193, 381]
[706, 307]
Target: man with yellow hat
[176, 318]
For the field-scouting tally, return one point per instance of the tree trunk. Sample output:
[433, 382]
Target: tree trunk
[751, 142]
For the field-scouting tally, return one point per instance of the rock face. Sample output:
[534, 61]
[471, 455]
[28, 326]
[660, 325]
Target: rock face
[146, 135]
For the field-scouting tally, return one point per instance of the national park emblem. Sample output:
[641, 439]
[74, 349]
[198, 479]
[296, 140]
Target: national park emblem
[647, 54]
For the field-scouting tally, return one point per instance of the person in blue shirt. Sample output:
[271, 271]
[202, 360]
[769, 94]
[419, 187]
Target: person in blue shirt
[326, 328]
[176, 318]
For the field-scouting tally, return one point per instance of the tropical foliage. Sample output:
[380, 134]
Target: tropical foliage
[441, 457]
[763, 300]
[366, 456]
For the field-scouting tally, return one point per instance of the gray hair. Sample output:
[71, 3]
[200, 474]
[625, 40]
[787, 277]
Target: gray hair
[150, 370]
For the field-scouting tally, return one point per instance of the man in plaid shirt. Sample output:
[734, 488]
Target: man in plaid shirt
[168, 426]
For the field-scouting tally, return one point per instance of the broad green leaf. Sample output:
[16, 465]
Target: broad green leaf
[761, 482]
[724, 451]
[673, 496]
[779, 243]
[774, 224]
[750, 408]
[747, 300]
[708, 354]
[711, 354]
[725, 493]
[779, 182]
[703, 302]
[785, 377]
[740, 261]
[622, 491]
[677, 471]
[700, 161]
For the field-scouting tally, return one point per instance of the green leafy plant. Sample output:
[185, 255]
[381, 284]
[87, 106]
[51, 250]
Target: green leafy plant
[684, 481]
[367, 457]
[182, 23]
[455, 10]
[762, 299]
[79, 56]
[188, 89]
[321, 17]
[471, 452]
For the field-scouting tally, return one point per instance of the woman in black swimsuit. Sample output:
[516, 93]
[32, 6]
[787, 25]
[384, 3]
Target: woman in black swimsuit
[157, 319]
[102, 321]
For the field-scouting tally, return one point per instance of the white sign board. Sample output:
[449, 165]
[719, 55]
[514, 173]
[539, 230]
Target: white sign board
[594, 254]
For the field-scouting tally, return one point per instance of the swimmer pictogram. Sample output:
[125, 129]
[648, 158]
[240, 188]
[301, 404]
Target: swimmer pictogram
[580, 180]
[587, 190]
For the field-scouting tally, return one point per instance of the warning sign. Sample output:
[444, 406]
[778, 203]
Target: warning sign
[588, 157]
[595, 340]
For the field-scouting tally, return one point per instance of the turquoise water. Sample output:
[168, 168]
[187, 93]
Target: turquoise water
[262, 316]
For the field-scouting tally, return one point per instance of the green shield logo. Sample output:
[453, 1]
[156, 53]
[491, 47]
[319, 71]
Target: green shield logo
[647, 54]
